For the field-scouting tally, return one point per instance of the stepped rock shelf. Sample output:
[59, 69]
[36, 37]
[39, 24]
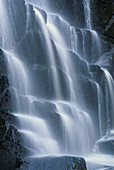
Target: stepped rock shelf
[56, 85]
[55, 163]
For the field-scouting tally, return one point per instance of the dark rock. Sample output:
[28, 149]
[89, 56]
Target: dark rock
[103, 18]
[3, 69]
[0, 51]
[30, 18]
[11, 150]
[71, 10]
[4, 97]
[105, 145]
[97, 73]
[4, 84]
[33, 50]
[111, 62]
[2, 128]
[55, 163]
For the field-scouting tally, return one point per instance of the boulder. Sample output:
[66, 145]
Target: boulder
[106, 144]
[55, 163]
[107, 147]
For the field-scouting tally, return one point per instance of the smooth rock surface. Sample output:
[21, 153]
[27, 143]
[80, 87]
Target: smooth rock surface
[55, 163]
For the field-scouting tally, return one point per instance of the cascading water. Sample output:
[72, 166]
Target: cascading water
[51, 53]
[23, 101]
[63, 123]
[110, 99]
[87, 12]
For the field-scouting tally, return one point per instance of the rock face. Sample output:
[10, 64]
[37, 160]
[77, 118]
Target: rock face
[103, 21]
[102, 14]
[106, 144]
[105, 17]
[107, 147]
[71, 10]
[19, 18]
[55, 163]
[11, 150]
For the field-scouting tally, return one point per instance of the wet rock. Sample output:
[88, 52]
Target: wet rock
[103, 18]
[55, 163]
[30, 18]
[11, 150]
[10, 147]
[97, 73]
[111, 62]
[105, 145]
[72, 10]
[88, 89]
[2, 128]
[104, 12]
[35, 53]
[43, 13]
[3, 69]
[16, 11]
[4, 84]
[0, 51]
[4, 93]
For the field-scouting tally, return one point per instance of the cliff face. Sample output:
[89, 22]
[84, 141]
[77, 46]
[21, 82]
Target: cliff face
[104, 19]
[11, 150]
[102, 14]
[106, 26]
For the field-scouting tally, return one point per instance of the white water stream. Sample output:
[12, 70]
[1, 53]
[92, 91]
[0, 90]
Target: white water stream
[77, 126]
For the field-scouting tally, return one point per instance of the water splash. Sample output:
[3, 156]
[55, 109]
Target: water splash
[99, 162]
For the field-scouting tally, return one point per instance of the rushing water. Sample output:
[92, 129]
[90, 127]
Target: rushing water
[100, 162]
[110, 99]
[51, 53]
[87, 12]
[69, 126]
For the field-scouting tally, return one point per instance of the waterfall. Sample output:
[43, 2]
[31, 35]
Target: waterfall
[4, 32]
[62, 54]
[95, 38]
[73, 118]
[35, 129]
[55, 93]
[110, 99]
[51, 54]
[63, 108]
[99, 109]
[87, 12]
